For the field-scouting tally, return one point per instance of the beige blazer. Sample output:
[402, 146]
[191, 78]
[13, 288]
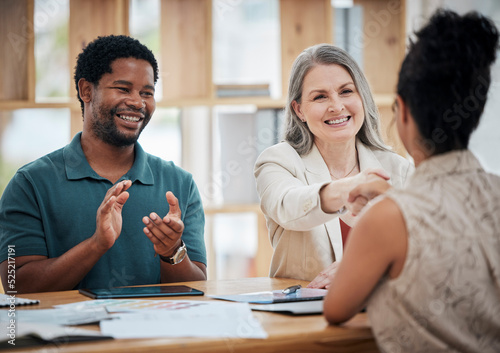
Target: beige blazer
[305, 239]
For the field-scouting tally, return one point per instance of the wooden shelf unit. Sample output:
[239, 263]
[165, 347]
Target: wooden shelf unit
[186, 41]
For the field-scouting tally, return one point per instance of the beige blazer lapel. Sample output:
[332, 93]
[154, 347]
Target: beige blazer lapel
[316, 171]
[366, 157]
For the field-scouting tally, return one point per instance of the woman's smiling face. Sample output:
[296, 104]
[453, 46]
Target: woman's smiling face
[330, 105]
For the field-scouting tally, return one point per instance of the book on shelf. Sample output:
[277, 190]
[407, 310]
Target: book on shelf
[242, 90]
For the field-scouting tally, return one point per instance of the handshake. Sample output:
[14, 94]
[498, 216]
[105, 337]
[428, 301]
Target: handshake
[375, 184]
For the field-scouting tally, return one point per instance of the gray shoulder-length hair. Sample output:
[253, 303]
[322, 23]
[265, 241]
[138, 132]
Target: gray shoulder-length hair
[297, 133]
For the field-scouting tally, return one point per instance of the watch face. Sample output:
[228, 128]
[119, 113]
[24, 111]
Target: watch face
[180, 254]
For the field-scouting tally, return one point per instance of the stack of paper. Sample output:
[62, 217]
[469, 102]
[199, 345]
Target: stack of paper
[31, 327]
[187, 319]
[142, 318]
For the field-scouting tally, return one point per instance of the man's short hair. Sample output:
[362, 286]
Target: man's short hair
[96, 58]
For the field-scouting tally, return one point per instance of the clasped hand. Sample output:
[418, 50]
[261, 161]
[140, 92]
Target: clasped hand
[165, 233]
[373, 185]
[365, 186]
[109, 216]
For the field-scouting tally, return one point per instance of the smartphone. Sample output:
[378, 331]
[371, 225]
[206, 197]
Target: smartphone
[139, 292]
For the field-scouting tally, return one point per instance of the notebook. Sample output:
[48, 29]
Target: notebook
[277, 296]
[292, 308]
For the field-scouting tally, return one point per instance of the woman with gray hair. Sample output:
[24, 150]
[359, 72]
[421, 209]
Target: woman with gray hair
[332, 143]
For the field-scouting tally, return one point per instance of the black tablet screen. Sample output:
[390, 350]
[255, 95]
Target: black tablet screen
[138, 292]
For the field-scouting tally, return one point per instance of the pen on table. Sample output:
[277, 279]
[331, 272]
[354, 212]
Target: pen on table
[291, 289]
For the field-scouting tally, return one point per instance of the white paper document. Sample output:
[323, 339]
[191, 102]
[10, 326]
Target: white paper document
[7, 300]
[27, 334]
[131, 305]
[63, 316]
[56, 316]
[200, 319]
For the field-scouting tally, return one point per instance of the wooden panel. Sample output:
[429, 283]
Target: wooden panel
[186, 41]
[383, 42]
[89, 19]
[31, 54]
[303, 23]
[5, 121]
[16, 36]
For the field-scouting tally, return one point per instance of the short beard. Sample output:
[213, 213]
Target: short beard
[104, 128]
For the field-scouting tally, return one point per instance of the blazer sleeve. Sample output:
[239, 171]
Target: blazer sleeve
[284, 194]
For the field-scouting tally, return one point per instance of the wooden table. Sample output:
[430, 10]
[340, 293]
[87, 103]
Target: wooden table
[308, 333]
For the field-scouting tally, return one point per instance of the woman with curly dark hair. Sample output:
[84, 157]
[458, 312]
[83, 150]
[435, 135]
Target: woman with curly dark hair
[425, 259]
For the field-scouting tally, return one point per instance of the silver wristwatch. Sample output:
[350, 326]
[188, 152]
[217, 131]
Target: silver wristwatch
[341, 211]
[179, 255]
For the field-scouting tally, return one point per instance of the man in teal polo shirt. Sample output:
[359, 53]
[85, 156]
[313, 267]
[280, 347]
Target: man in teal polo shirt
[95, 213]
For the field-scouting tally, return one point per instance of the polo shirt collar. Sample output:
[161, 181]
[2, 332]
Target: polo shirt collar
[77, 167]
[141, 170]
